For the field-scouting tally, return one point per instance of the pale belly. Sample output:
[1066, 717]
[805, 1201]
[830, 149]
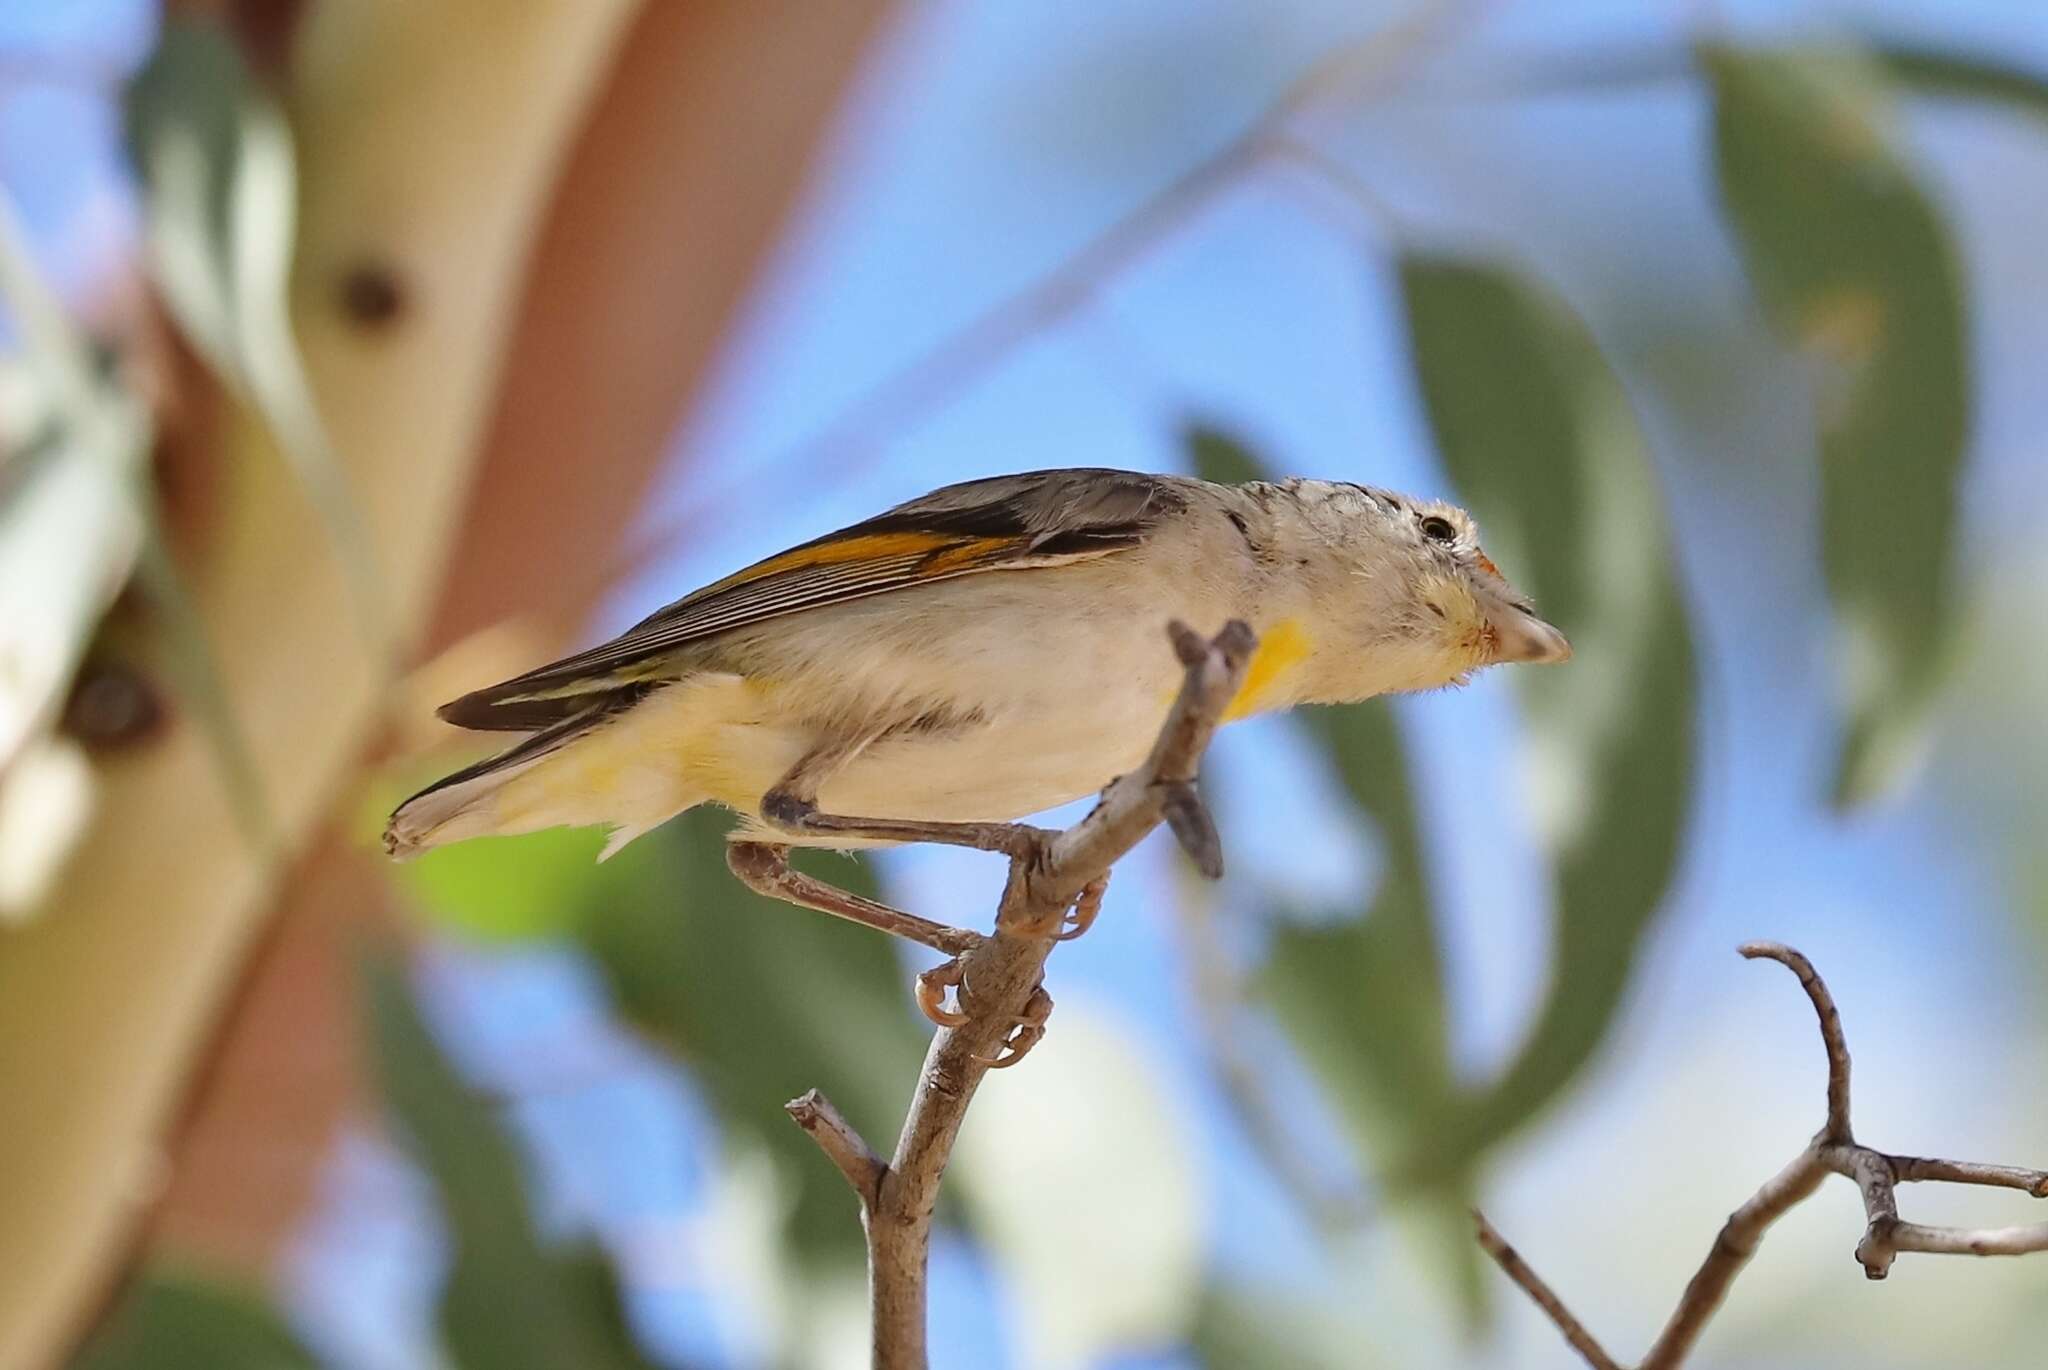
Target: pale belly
[999, 771]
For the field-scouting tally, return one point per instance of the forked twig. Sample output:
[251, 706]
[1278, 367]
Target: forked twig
[1833, 1150]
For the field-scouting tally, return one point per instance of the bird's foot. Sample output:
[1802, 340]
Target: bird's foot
[931, 994]
[1026, 1030]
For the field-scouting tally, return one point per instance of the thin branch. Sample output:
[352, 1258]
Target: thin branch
[1733, 1246]
[1837, 1128]
[1833, 1150]
[1002, 975]
[1909, 1169]
[1963, 1241]
[1517, 1269]
[846, 1148]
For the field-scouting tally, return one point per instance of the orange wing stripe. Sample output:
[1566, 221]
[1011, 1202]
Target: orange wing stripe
[965, 555]
[831, 554]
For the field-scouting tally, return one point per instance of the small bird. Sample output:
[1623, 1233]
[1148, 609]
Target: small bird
[970, 657]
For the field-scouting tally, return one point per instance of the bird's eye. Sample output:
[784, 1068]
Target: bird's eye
[1438, 529]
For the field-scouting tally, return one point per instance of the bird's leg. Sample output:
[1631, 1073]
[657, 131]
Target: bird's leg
[764, 868]
[792, 806]
[793, 813]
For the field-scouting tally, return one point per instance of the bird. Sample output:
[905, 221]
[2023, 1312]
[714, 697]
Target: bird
[971, 657]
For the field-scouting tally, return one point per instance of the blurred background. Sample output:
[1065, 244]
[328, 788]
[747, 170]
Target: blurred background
[360, 352]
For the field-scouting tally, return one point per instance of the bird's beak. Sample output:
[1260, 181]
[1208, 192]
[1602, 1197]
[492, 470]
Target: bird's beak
[1524, 638]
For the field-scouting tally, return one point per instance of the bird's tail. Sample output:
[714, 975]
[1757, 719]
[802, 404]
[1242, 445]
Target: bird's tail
[464, 804]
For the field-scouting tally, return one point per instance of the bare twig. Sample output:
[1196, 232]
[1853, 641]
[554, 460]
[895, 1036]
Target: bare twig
[1733, 1246]
[1510, 1261]
[857, 1161]
[1837, 1127]
[1049, 873]
[1833, 1150]
[1908, 1169]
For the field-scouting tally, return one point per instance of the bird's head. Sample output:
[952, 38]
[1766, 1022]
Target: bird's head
[1426, 604]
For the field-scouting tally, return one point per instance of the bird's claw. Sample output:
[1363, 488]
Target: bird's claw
[931, 994]
[1025, 1032]
[1086, 906]
[1073, 920]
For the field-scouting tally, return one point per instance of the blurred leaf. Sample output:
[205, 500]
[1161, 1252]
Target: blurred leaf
[1239, 1329]
[1932, 71]
[1214, 454]
[75, 520]
[512, 1300]
[507, 888]
[46, 801]
[1538, 437]
[1856, 271]
[72, 521]
[70, 529]
[1363, 998]
[1925, 71]
[1086, 1131]
[216, 159]
[765, 1001]
[170, 1322]
[195, 673]
[70, 515]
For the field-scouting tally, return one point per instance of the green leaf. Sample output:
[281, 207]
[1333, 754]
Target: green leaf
[1539, 439]
[512, 1301]
[502, 889]
[1931, 71]
[764, 1000]
[1214, 454]
[1919, 70]
[173, 1322]
[1855, 269]
[216, 159]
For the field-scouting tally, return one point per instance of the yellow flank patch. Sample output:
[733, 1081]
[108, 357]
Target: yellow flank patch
[1282, 647]
[866, 547]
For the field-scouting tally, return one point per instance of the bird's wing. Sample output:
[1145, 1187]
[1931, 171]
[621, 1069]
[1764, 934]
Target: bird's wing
[1003, 523]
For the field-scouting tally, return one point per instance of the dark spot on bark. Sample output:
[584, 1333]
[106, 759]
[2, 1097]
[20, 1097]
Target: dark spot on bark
[112, 706]
[371, 296]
